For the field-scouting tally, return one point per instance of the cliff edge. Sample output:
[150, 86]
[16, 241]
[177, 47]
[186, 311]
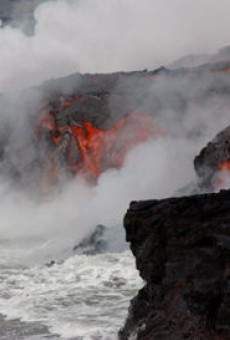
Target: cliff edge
[182, 251]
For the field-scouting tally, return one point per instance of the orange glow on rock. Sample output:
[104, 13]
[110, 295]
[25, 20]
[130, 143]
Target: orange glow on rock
[102, 149]
[225, 166]
[220, 181]
[97, 149]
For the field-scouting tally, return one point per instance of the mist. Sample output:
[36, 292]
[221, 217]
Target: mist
[49, 226]
[106, 36]
[60, 221]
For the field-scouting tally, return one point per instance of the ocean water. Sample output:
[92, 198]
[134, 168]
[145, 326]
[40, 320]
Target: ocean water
[80, 297]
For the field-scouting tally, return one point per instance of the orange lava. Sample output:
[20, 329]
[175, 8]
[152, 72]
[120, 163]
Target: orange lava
[103, 149]
[221, 70]
[219, 181]
[225, 166]
[97, 149]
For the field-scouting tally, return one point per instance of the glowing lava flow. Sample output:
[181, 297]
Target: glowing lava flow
[222, 178]
[87, 150]
[225, 166]
[103, 149]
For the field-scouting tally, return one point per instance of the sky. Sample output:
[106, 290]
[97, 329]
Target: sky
[106, 36]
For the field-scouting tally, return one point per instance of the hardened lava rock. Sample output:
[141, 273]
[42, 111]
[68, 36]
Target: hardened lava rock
[182, 251]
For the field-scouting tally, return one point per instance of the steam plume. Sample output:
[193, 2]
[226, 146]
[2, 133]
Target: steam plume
[103, 36]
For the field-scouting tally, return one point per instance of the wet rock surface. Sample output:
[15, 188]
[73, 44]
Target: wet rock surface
[182, 251]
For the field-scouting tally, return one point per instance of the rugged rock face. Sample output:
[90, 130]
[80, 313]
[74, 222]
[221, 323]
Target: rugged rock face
[213, 156]
[101, 98]
[182, 250]
[104, 98]
[93, 244]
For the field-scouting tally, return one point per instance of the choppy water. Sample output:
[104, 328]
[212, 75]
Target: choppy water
[83, 297]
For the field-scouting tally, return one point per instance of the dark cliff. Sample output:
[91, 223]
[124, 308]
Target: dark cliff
[182, 251]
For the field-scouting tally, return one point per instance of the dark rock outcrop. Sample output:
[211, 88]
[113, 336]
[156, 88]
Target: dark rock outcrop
[93, 244]
[104, 98]
[101, 98]
[209, 161]
[182, 250]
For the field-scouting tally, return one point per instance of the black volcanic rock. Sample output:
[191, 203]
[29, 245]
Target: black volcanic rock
[93, 244]
[106, 97]
[182, 250]
[208, 162]
[101, 98]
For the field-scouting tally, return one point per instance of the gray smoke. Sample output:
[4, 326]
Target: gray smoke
[102, 36]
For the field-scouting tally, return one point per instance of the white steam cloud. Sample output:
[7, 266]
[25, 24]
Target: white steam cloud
[105, 36]
[58, 223]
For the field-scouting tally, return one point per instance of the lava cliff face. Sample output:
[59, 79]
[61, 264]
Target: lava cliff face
[182, 250]
[81, 109]
[82, 104]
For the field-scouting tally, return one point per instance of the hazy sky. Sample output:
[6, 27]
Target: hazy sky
[110, 35]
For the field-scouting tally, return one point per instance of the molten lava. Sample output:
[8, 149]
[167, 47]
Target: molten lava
[222, 178]
[84, 149]
[225, 166]
[103, 149]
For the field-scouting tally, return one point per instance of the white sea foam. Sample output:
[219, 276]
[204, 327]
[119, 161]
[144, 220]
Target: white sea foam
[85, 296]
